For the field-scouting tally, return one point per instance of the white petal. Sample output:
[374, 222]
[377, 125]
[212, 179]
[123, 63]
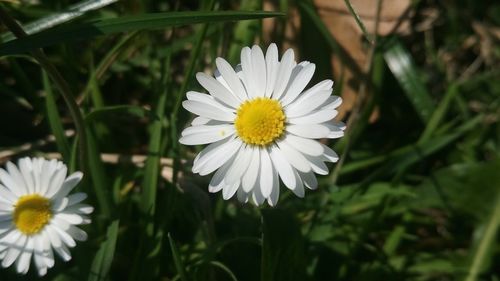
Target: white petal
[309, 180]
[332, 102]
[299, 190]
[76, 198]
[257, 197]
[23, 262]
[232, 80]
[207, 99]
[317, 165]
[284, 72]
[80, 209]
[77, 233]
[239, 166]
[14, 251]
[217, 90]
[335, 130]
[6, 206]
[298, 84]
[250, 176]
[272, 66]
[312, 131]
[200, 121]
[206, 134]
[59, 204]
[306, 146]
[248, 72]
[9, 183]
[242, 196]
[25, 167]
[208, 152]
[315, 117]
[63, 252]
[65, 237]
[325, 85]
[330, 154]
[56, 182]
[17, 177]
[68, 184]
[54, 238]
[272, 200]
[46, 174]
[259, 70]
[208, 111]
[295, 158]
[284, 168]
[266, 173]
[307, 103]
[71, 218]
[229, 190]
[217, 181]
[7, 196]
[213, 163]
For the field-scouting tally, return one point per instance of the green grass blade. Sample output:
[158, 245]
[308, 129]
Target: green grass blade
[55, 120]
[282, 247]
[401, 64]
[103, 259]
[224, 268]
[358, 21]
[179, 265]
[98, 175]
[72, 32]
[152, 167]
[439, 113]
[487, 236]
[71, 13]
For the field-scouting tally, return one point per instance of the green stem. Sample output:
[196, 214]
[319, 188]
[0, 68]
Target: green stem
[486, 243]
[59, 81]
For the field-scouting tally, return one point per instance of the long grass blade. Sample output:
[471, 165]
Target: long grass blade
[179, 264]
[401, 64]
[103, 259]
[55, 120]
[71, 13]
[72, 32]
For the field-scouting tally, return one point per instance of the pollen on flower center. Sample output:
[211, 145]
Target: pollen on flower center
[32, 213]
[260, 121]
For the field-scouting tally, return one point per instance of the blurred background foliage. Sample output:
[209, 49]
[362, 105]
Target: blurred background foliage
[416, 195]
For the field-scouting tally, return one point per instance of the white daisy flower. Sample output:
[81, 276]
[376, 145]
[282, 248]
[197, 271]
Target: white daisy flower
[37, 214]
[261, 126]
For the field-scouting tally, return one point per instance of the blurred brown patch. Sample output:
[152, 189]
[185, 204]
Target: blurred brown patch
[394, 18]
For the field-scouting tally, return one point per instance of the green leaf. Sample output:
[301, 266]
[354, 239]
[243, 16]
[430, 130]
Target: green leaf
[107, 111]
[282, 247]
[152, 168]
[179, 264]
[71, 13]
[72, 32]
[401, 64]
[55, 120]
[103, 259]
[470, 189]
[439, 113]
[98, 174]
[358, 20]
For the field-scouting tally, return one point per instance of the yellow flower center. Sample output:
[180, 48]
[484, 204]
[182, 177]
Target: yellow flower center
[32, 213]
[260, 121]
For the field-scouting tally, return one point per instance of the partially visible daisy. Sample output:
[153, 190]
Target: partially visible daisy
[38, 215]
[261, 126]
